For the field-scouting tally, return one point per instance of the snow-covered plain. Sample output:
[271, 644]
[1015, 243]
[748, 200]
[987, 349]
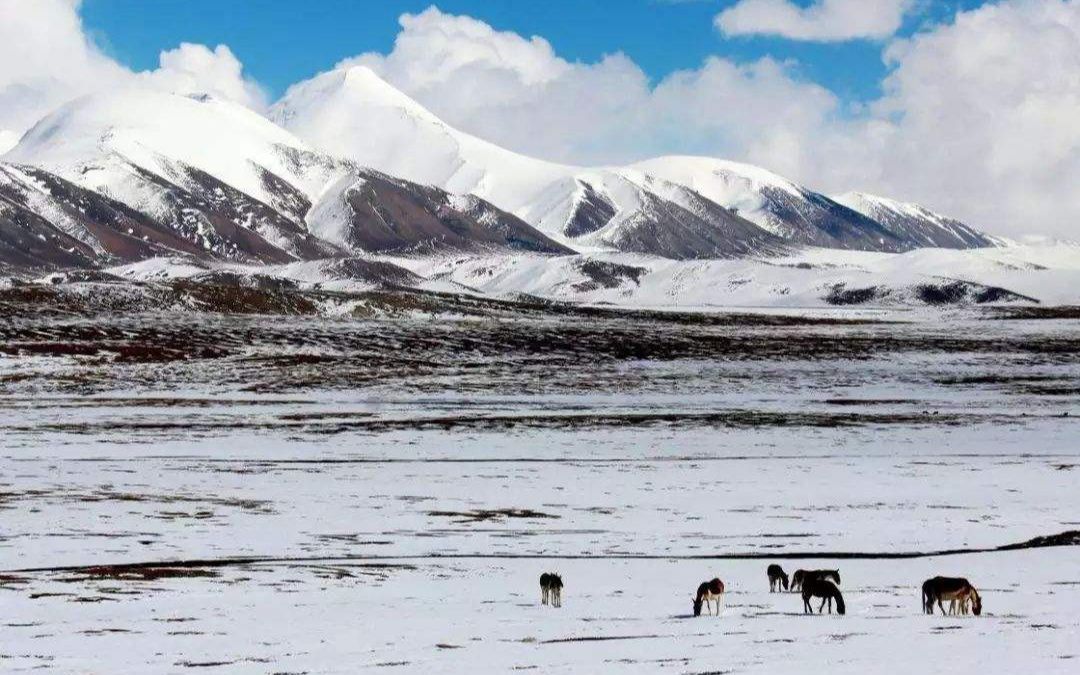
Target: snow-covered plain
[1048, 273]
[404, 483]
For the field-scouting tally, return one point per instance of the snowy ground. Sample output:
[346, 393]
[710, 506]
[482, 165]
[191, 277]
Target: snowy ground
[405, 483]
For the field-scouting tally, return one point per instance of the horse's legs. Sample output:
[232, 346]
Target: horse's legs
[807, 609]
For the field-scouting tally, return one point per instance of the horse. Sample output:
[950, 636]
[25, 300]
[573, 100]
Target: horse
[706, 592]
[824, 589]
[778, 578]
[551, 586]
[802, 576]
[961, 595]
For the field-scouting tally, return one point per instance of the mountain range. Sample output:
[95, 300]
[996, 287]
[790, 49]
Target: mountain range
[346, 165]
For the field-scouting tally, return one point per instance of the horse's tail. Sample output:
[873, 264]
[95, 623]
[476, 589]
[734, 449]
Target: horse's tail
[840, 608]
[927, 598]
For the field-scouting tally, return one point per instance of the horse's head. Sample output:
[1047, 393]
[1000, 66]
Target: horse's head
[784, 580]
[698, 602]
[976, 603]
[835, 574]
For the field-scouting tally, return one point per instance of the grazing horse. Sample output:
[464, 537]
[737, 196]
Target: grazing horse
[824, 589]
[959, 592]
[706, 592]
[802, 576]
[777, 578]
[551, 589]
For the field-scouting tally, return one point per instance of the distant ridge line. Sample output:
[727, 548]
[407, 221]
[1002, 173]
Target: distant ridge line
[1067, 538]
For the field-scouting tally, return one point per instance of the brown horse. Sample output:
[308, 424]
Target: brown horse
[824, 589]
[551, 589]
[707, 592]
[802, 576]
[961, 595]
[778, 578]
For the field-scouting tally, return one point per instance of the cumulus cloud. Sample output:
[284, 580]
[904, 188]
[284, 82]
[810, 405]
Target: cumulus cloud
[46, 59]
[194, 68]
[518, 92]
[978, 118]
[824, 20]
[982, 117]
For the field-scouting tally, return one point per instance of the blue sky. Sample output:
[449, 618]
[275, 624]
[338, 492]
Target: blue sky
[283, 41]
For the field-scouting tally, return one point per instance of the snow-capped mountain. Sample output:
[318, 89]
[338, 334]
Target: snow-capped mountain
[355, 113]
[915, 223]
[639, 208]
[347, 165]
[207, 176]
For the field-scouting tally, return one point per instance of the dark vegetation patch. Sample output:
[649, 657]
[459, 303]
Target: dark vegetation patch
[728, 419]
[1069, 538]
[599, 638]
[1035, 313]
[145, 573]
[842, 295]
[950, 292]
[602, 274]
[101, 495]
[520, 347]
[869, 401]
[486, 515]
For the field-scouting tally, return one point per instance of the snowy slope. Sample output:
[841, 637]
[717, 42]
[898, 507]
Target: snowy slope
[48, 221]
[811, 278]
[354, 113]
[218, 174]
[916, 223]
[155, 131]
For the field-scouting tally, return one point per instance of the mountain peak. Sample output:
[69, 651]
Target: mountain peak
[358, 88]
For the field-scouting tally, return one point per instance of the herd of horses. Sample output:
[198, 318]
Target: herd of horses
[961, 595]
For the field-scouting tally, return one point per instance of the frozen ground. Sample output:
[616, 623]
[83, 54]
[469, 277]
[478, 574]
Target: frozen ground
[308, 495]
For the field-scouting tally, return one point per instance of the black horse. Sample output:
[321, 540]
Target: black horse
[802, 576]
[778, 578]
[958, 591]
[824, 589]
[551, 586]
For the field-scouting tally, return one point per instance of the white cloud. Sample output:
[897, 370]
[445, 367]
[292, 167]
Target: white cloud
[194, 68]
[46, 58]
[517, 92]
[824, 20]
[982, 117]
